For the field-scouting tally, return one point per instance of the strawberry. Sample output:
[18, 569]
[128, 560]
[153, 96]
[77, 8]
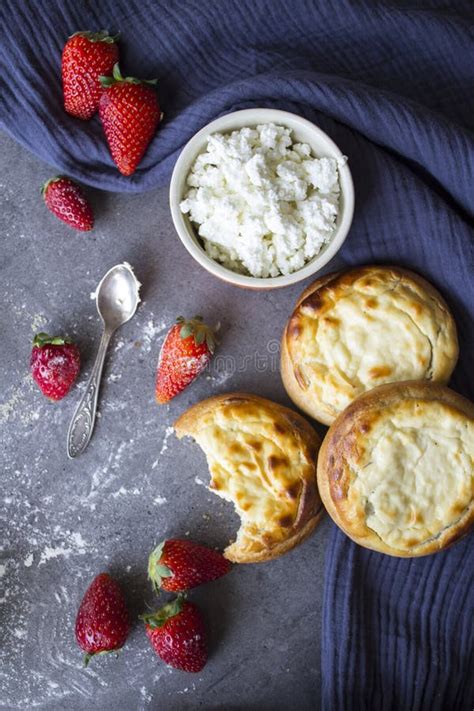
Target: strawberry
[177, 565]
[86, 57]
[130, 112]
[178, 636]
[65, 199]
[55, 364]
[102, 622]
[185, 353]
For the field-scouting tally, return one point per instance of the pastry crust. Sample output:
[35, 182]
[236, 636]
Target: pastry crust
[262, 457]
[354, 330]
[396, 469]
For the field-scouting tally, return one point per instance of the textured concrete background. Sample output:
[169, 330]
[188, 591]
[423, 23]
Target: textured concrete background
[65, 521]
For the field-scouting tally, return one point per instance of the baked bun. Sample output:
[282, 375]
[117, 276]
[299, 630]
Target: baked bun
[396, 469]
[354, 330]
[262, 457]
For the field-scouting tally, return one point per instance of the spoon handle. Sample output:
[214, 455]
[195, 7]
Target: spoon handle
[82, 424]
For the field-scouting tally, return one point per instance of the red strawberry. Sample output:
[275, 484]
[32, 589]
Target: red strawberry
[55, 364]
[102, 622]
[177, 565]
[86, 57]
[178, 636]
[66, 199]
[185, 353]
[130, 112]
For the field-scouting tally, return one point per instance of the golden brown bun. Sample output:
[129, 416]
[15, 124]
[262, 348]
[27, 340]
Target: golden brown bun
[396, 468]
[262, 457]
[354, 330]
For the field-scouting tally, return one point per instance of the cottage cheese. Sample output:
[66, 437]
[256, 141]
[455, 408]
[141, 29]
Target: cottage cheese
[262, 204]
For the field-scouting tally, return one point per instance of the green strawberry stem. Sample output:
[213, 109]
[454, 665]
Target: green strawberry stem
[42, 339]
[156, 570]
[89, 655]
[46, 184]
[102, 36]
[160, 617]
[117, 77]
[199, 330]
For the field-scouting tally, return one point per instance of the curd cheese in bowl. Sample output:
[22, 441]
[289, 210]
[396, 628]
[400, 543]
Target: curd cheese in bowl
[261, 198]
[261, 203]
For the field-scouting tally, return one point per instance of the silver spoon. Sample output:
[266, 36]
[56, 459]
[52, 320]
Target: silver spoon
[116, 300]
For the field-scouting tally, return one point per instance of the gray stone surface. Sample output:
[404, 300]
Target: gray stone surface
[65, 521]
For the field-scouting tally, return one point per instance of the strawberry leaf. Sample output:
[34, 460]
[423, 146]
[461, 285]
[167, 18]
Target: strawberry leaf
[42, 339]
[106, 81]
[159, 618]
[87, 658]
[199, 337]
[102, 36]
[89, 655]
[117, 77]
[157, 570]
[163, 571]
[186, 331]
[116, 73]
[46, 184]
[199, 330]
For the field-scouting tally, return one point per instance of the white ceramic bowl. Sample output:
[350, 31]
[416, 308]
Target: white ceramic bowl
[302, 131]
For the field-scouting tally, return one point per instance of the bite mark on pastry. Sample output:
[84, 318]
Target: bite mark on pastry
[262, 457]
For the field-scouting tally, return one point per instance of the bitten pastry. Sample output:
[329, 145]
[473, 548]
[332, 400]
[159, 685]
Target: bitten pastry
[355, 330]
[396, 469]
[262, 457]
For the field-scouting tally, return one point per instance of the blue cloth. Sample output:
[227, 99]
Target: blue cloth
[393, 84]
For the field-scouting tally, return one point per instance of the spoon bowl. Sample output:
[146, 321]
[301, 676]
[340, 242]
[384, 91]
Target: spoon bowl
[117, 296]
